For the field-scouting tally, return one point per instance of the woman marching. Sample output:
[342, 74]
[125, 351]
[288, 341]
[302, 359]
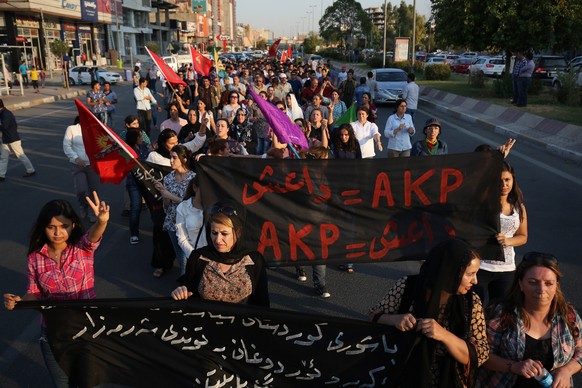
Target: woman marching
[60, 263]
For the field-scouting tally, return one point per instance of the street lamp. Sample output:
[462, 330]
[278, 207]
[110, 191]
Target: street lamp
[384, 51]
[313, 17]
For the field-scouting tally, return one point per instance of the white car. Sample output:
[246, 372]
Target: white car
[494, 66]
[577, 69]
[391, 82]
[436, 61]
[80, 75]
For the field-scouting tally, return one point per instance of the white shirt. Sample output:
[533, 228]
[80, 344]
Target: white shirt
[365, 135]
[140, 95]
[189, 224]
[373, 85]
[194, 144]
[342, 76]
[73, 145]
[410, 94]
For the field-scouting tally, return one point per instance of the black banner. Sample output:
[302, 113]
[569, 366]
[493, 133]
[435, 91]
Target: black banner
[371, 210]
[197, 343]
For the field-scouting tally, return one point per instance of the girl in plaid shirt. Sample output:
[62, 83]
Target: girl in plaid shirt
[60, 263]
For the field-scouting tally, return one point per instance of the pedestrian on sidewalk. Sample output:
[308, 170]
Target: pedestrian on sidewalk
[42, 78]
[11, 143]
[518, 64]
[34, 77]
[524, 80]
[23, 69]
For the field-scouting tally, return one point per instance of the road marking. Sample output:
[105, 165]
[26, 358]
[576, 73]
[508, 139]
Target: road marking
[46, 114]
[520, 155]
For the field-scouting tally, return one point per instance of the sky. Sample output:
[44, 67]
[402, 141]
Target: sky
[284, 17]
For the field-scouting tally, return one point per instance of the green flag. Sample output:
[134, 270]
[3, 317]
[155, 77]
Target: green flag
[349, 116]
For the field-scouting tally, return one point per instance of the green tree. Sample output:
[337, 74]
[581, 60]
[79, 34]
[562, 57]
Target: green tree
[153, 47]
[261, 44]
[59, 48]
[545, 25]
[311, 42]
[343, 19]
[402, 19]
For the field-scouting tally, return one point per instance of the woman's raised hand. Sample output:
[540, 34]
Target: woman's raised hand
[100, 208]
[181, 293]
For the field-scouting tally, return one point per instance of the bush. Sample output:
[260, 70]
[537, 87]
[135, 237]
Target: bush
[502, 86]
[418, 67]
[375, 62]
[332, 53]
[477, 79]
[535, 88]
[437, 72]
[567, 91]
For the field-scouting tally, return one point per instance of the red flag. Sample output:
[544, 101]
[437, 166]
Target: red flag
[273, 48]
[169, 74]
[289, 52]
[110, 157]
[201, 64]
[284, 57]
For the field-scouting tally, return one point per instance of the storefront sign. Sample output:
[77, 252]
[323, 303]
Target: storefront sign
[199, 6]
[89, 10]
[70, 4]
[27, 23]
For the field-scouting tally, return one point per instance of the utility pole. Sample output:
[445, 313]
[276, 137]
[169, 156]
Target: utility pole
[384, 51]
[313, 17]
[47, 48]
[413, 30]
[215, 31]
[118, 35]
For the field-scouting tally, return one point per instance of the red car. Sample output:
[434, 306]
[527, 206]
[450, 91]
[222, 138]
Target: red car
[461, 65]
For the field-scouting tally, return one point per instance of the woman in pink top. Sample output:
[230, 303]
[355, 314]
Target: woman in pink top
[60, 263]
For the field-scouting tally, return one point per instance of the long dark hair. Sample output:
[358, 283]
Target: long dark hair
[515, 196]
[350, 146]
[190, 193]
[163, 137]
[54, 208]
[183, 154]
[131, 136]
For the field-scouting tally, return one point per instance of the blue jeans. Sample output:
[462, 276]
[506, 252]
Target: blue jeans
[134, 209]
[318, 275]
[263, 146]
[411, 112]
[180, 255]
[60, 378]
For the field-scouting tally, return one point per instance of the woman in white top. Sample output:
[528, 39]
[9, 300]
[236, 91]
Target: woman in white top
[366, 133]
[294, 111]
[190, 220]
[399, 129]
[229, 110]
[495, 276]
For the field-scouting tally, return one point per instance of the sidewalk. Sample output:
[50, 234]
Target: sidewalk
[556, 137]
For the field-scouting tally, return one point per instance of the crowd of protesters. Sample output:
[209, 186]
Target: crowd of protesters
[529, 328]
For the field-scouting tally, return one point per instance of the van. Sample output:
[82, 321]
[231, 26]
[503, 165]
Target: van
[177, 61]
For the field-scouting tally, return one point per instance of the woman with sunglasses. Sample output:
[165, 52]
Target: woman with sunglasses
[497, 274]
[229, 110]
[225, 270]
[438, 320]
[241, 130]
[534, 330]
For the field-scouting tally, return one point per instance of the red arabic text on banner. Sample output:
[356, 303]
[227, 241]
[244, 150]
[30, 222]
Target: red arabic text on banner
[110, 156]
[169, 74]
[273, 48]
[202, 65]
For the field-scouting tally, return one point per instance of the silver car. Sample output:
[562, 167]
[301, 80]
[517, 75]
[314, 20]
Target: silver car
[391, 83]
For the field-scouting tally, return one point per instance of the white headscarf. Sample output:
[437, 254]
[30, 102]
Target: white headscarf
[294, 111]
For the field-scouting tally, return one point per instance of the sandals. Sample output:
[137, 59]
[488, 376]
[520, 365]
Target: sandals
[346, 268]
[350, 269]
[158, 272]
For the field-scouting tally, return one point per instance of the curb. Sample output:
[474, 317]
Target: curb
[502, 130]
[45, 100]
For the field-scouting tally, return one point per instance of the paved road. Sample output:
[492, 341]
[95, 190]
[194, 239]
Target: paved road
[551, 187]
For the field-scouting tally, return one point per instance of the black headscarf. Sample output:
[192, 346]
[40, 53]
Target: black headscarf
[239, 250]
[241, 131]
[442, 272]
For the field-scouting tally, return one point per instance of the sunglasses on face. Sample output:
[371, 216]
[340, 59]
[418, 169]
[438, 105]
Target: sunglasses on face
[226, 210]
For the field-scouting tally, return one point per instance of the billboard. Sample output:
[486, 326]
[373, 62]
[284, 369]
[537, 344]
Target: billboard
[199, 6]
[401, 49]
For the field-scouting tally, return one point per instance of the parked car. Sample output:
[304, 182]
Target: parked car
[461, 65]
[577, 69]
[494, 66]
[391, 82]
[449, 58]
[469, 54]
[80, 75]
[548, 66]
[575, 62]
[436, 60]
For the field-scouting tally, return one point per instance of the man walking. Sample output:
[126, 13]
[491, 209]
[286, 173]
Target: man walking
[517, 65]
[11, 143]
[144, 100]
[410, 95]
